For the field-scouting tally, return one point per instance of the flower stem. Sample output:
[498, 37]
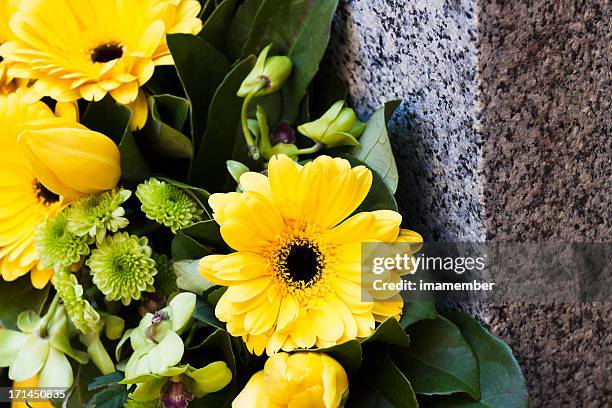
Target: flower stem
[253, 149]
[313, 149]
[46, 320]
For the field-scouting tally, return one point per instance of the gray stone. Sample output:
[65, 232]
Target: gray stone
[503, 134]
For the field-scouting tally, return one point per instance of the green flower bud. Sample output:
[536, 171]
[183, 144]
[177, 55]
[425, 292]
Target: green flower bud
[81, 313]
[122, 267]
[165, 280]
[167, 204]
[96, 214]
[337, 127]
[268, 75]
[57, 247]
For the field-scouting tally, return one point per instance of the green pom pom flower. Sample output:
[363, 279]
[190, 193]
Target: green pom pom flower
[167, 204]
[165, 280]
[96, 214]
[56, 246]
[81, 313]
[122, 267]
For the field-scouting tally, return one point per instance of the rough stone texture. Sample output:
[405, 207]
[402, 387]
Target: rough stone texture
[423, 53]
[504, 134]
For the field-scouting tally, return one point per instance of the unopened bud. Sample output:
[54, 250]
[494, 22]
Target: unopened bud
[337, 127]
[268, 75]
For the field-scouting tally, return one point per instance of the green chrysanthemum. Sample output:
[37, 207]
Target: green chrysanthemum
[81, 313]
[167, 204]
[165, 280]
[122, 267]
[56, 246]
[96, 214]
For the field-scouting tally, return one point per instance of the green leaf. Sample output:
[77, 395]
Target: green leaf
[222, 134]
[201, 68]
[205, 232]
[390, 332]
[439, 360]
[185, 247]
[113, 120]
[206, 313]
[80, 395]
[415, 311]
[502, 384]
[216, 27]
[348, 354]
[379, 197]
[375, 146]
[240, 27]
[18, 296]
[163, 139]
[299, 29]
[390, 381]
[110, 394]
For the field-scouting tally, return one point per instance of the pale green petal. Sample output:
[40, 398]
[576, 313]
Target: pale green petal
[181, 310]
[10, 343]
[30, 358]
[148, 391]
[167, 353]
[56, 372]
[211, 378]
[126, 336]
[27, 321]
[138, 364]
[59, 336]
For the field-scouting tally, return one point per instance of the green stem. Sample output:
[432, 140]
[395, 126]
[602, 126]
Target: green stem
[46, 320]
[253, 149]
[313, 149]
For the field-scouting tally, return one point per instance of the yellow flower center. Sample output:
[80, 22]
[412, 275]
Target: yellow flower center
[302, 262]
[44, 195]
[106, 52]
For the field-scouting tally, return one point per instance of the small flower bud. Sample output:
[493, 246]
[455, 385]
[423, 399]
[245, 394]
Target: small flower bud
[268, 75]
[283, 133]
[337, 127]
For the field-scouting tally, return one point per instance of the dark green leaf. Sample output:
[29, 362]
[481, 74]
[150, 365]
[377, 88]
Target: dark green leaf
[375, 149]
[198, 194]
[327, 88]
[348, 354]
[379, 197]
[18, 296]
[391, 382]
[240, 27]
[201, 68]
[80, 395]
[205, 232]
[110, 394]
[173, 110]
[439, 360]
[185, 247]
[390, 332]
[163, 139]
[113, 120]
[216, 28]
[222, 134]
[415, 311]
[206, 313]
[501, 382]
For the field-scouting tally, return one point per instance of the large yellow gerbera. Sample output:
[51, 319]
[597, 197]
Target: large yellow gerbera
[88, 48]
[24, 201]
[7, 8]
[294, 281]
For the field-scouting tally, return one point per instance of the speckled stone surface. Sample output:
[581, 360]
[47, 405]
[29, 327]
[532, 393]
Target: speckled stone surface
[504, 134]
[423, 53]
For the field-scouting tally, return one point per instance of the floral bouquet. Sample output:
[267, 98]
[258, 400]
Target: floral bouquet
[183, 197]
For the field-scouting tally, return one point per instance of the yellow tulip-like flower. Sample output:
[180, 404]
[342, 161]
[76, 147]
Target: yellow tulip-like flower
[25, 202]
[33, 384]
[300, 380]
[7, 8]
[88, 48]
[69, 159]
[294, 281]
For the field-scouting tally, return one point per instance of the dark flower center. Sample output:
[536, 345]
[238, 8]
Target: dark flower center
[45, 195]
[175, 395]
[106, 52]
[303, 263]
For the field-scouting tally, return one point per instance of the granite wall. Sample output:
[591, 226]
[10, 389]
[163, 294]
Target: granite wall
[504, 134]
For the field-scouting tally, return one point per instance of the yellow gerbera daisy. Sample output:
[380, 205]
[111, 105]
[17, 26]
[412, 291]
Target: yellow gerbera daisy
[294, 281]
[7, 8]
[24, 201]
[88, 48]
